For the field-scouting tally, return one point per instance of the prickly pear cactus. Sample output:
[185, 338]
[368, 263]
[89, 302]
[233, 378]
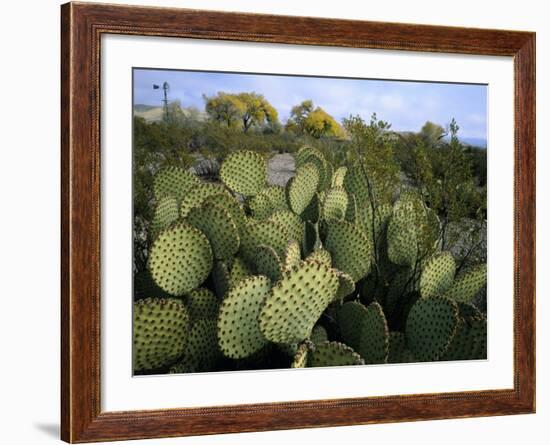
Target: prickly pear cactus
[161, 328]
[218, 226]
[180, 259]
[437, 275]
[350, 249]
[244, 172]
[166, 213]
[238, 328]
[467, 284]
[297, 301]
[329, 270]
[431, 325]
[302, 187]
[173, 181]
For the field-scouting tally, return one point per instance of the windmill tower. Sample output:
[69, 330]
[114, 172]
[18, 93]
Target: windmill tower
[165, 89]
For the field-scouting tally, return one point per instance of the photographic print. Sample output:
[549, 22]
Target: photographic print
[292, 221]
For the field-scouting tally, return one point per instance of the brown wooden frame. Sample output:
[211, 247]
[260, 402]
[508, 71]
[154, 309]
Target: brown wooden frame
[81, 27]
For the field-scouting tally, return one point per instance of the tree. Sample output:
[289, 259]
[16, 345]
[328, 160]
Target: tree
[257, 111]
[246, 109]
[313, 121]
[432, 133]
[373, 145]
[224, 108]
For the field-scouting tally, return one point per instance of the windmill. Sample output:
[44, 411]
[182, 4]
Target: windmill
[165, 88]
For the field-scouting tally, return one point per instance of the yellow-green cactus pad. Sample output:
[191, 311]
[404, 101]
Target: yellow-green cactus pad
[318, 335]
[180, 259]
[173, 181]
[202, 349]
[356, 183]
[350, 249]
[238, 330]
[266, 233]
[166, 213]
[239, 271]
[275, 194]
[346, 286]
[430, 326]
[402, 237]
[301, 355]
[467, 284]
[302, 187]
[338, 177]
[202, 303]
[335, 203]
[292, 255]
[198, 194]
[230, 204]
[268, 263]
[244, 172]
[260, 206]
[333, 354]
[437, 275]
[291, 223]
[218, 226]
[160, 328]
[374, 340]
[350, 321]
[297, 301]
[320, 255]
[398, 352]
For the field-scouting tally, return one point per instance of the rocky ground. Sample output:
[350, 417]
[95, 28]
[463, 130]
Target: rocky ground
[280, 168]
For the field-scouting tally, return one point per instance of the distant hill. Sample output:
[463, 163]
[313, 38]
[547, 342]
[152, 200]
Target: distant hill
[475, 142]
[153, 113]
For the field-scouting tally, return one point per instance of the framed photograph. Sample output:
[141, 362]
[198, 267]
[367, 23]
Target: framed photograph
[274, 222]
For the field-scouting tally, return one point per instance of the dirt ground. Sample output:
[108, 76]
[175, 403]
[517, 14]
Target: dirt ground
[280, 168]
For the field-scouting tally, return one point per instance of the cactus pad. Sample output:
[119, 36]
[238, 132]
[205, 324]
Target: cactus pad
[231, 205]
[268, 263]
[202, 349]
[338, 177]
[437, 275]
[239, 271]
[218, 226]
[356, 183]
[244, 172]
[430, 326]
[374, 340]
[350, 249]
[318, 335]
[302, 187]
[321, 255]
[260, 206]
[292, 255]
[275, 195]
[166, 213]
[160, 332]
[198, 194]
[402, 238]
[468, 284]
[173, 181]
[180, 259]
[238, 331]
[266, 233]
[346, 286]
[333, 354]
[350, 319]
[301, 355]
[335, 203]
[202, 303]
[297, 301]
[291, 223]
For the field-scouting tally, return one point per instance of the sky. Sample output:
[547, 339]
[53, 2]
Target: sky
[406, 105]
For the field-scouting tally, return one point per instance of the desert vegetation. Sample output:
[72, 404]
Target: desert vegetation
[370, 248]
